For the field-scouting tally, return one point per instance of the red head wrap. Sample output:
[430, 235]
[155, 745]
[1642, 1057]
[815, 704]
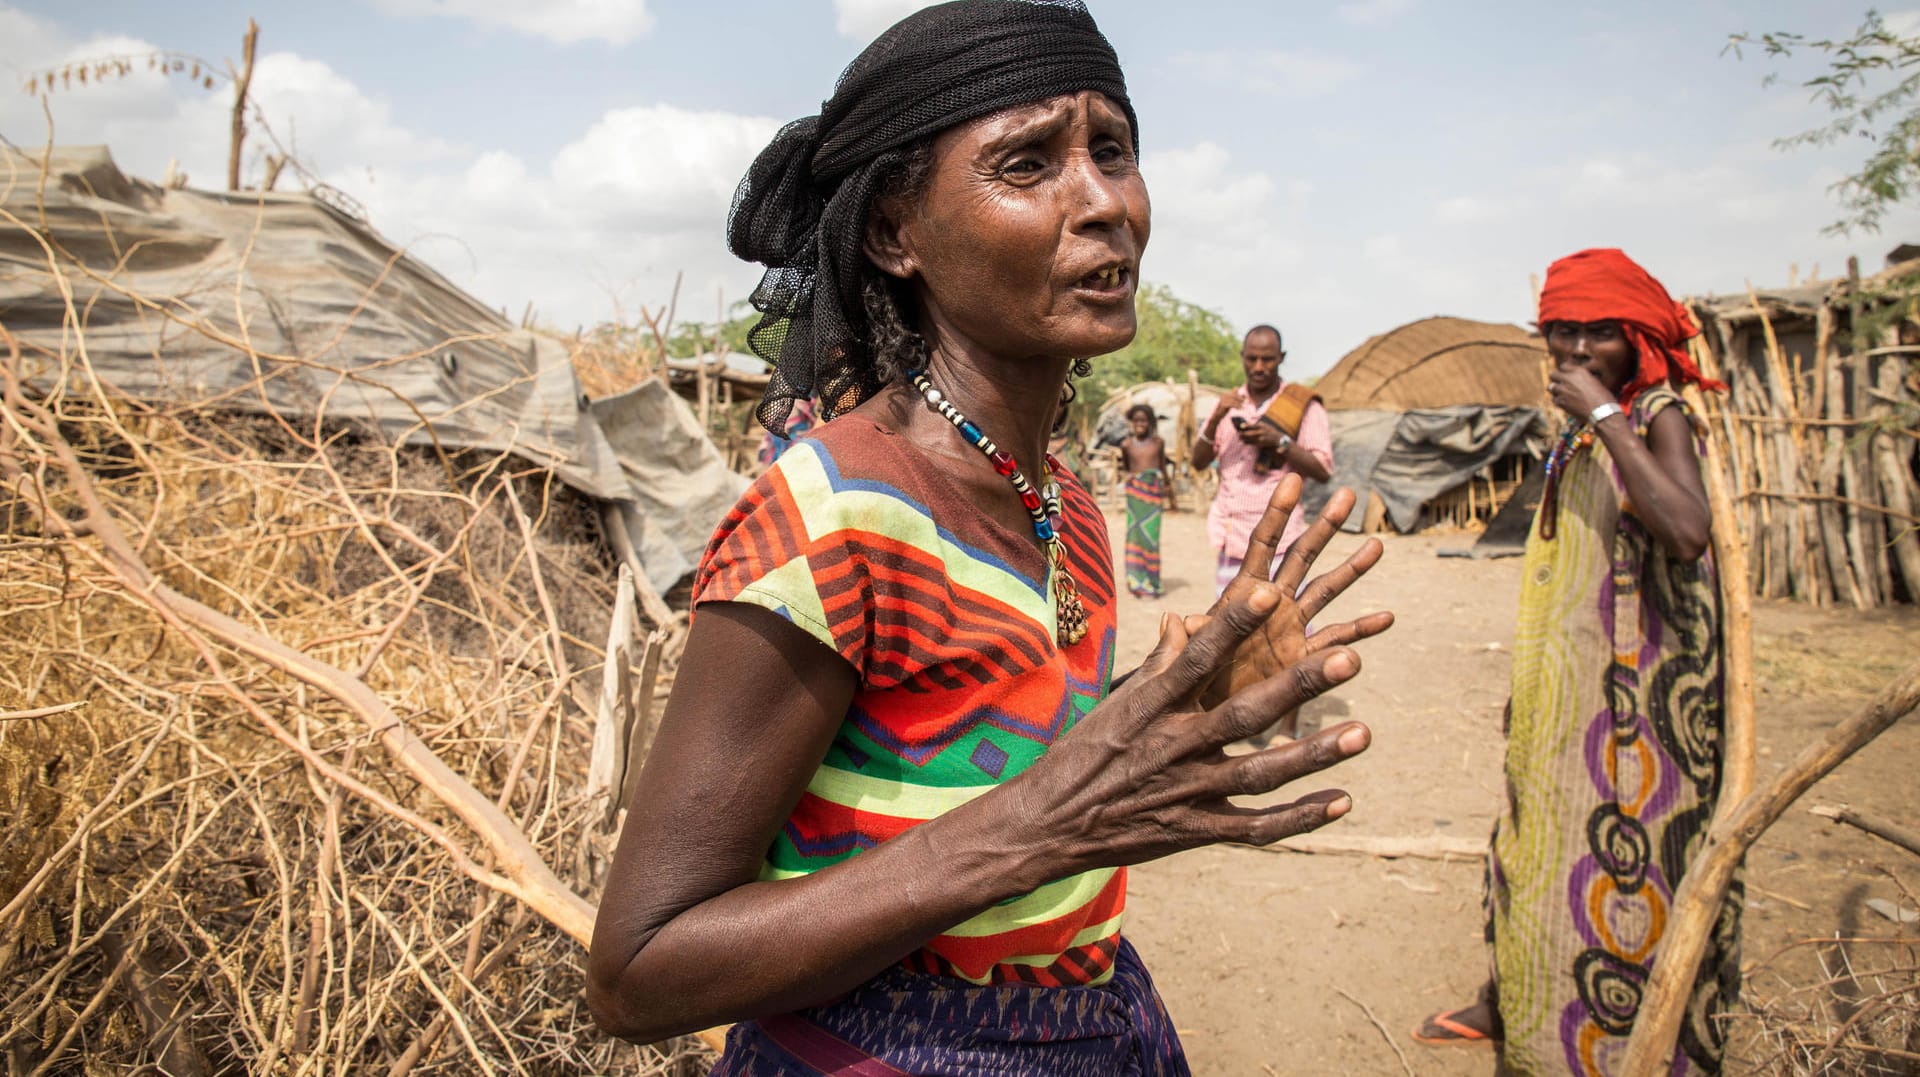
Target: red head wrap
[1603, 284]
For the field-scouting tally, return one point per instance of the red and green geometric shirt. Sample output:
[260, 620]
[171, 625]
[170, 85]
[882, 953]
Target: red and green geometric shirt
[947, 619]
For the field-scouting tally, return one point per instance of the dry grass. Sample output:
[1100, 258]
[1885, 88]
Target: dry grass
[215, 860]
[609, 359]
[180, 886]
[1835, 1006]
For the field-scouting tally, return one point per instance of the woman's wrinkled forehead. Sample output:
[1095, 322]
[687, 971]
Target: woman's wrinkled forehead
[1026, 124]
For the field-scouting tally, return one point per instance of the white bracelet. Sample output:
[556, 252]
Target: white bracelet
[1206, 437]
[1605, 411]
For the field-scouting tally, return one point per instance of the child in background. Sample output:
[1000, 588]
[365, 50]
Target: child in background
[1143, 456]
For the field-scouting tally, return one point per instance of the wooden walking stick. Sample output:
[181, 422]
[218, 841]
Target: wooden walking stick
[1736, 600]
[1697, 904]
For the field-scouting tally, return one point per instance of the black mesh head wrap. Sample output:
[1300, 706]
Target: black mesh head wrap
[802, 208]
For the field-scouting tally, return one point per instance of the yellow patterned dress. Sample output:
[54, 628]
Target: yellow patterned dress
[1613, 769]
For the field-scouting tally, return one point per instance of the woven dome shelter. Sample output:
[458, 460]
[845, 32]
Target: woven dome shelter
[1439, 363]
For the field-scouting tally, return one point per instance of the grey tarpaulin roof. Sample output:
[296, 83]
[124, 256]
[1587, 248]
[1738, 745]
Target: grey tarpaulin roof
[1411, 457]
[182, 292]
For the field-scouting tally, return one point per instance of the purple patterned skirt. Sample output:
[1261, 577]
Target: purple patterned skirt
[903, 1022]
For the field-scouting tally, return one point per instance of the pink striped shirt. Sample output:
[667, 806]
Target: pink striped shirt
[1243, 493]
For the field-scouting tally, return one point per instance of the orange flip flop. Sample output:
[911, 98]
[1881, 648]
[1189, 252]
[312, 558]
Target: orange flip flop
[1441, 1030]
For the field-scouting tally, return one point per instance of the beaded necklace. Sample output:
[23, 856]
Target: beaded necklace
[1043, 507]
[1577, 435]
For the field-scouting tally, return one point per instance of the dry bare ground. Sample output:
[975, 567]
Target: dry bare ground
[1275, 963]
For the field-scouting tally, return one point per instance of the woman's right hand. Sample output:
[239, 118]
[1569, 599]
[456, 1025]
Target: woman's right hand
[1144, 774]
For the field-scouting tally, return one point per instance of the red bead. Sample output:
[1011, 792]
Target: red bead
[1003, 463]
[1030, 499]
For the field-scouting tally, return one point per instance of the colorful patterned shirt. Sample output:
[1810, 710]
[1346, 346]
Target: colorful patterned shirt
[946, 617]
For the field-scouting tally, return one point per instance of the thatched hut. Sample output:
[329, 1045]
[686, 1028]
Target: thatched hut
[1436, 420]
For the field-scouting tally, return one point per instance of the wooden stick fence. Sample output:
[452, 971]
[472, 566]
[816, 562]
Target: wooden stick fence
[1818, 431]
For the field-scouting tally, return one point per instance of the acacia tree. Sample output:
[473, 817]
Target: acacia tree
[1870, 85]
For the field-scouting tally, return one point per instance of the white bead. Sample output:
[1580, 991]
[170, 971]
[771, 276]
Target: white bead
[933, 397]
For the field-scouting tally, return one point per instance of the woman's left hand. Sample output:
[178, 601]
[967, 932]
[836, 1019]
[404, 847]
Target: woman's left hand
[1283, 639]
[1577, 391]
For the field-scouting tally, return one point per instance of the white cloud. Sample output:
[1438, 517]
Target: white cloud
[597, 230]
[1903, 23]
[615, 22]
[1222, 233]
[1373, 12]
[1275, 72]
[1466, 209]
[1385, 250]
[864, 20]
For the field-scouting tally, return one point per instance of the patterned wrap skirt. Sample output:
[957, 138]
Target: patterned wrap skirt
[904, 1022]
[1146, 499]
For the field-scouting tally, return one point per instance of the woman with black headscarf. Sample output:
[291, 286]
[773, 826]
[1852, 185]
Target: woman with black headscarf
[886, 821]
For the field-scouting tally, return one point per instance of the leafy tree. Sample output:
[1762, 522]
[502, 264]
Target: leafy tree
[692, 338]
[1871, 86]
[1174, 336]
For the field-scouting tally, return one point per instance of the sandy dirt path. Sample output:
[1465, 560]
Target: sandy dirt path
[1270, 962]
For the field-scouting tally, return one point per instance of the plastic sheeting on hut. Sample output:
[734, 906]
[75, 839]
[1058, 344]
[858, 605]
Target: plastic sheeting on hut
[1418, 412]
[1408, 458]
[270, 302]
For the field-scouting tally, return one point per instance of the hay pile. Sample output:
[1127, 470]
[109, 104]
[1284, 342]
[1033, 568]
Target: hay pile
[293, 728]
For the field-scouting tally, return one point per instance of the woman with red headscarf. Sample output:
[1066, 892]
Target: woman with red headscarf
[1614, 723]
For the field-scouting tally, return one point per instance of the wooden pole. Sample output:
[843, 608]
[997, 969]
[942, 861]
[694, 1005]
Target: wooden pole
[1890, 462]
[615, 714]
[240, 85]
[1833, 532]
[1866, 534]
[1696, 905]
[1786, 442]
[1736, 620]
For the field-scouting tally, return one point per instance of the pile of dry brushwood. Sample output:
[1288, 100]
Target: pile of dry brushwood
[295, 739]
[1844, 1005]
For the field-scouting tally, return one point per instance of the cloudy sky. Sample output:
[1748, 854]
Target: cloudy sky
[1336, 168]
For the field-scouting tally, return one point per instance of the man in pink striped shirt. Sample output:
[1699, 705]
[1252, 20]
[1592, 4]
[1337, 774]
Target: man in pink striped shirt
[1233, 436]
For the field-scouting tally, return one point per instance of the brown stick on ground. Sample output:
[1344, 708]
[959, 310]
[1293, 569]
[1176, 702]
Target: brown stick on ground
[1697, 904]
[1879, 828]
[1423, 847]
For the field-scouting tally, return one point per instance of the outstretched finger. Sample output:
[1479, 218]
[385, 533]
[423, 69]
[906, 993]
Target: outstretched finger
[1306, 549]
[1173, 639]
[1347, 632]
[1258, 562]
[1260, 705]
[1208, 651]
[1225, 821]
[1330, 584]
[1261, 772]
